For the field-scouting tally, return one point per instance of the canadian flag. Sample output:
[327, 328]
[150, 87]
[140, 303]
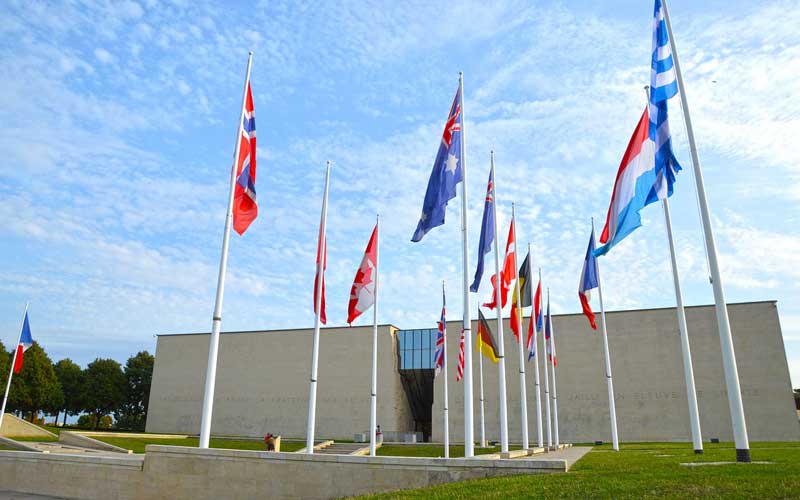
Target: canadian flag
[362, 295]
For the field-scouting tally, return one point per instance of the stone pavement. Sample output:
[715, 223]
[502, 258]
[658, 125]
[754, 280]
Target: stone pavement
[571, 455]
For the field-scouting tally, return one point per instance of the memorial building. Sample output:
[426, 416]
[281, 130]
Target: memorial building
[263, 380]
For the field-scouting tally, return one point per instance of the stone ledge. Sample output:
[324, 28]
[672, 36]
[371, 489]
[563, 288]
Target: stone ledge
[133, 461]
[83, 441]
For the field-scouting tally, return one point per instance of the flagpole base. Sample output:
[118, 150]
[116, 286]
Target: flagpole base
[698, 452]
[743, 456]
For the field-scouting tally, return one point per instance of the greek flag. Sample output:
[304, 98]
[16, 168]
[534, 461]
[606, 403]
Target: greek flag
[663, 86]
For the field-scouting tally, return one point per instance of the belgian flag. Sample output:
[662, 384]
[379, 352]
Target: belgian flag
[484, 340]
[523, 276]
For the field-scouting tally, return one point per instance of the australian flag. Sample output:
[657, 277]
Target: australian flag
[446, 173]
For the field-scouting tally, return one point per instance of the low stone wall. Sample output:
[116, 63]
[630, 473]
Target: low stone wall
[16, 427]
[84, 441]
[197, 474]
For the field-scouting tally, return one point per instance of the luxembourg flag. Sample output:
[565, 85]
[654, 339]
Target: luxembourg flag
[635, 180]
[25, 342]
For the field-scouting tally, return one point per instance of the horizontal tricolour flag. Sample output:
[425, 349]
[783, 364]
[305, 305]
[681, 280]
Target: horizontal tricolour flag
[524, 292]
[635, 179]
[588, 281]
[484, 340]
[25, 343]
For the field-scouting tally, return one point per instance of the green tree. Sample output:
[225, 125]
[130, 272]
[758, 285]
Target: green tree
[70, 376]
[5, 366]
[103, 388]
[138, 376]
[35, 388]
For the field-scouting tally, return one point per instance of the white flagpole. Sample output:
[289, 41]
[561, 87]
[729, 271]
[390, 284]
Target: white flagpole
[546, 382]
[539, 435]
[11, 370]
[446, 397]
[612, 407]
[373, 404]
[469, 444]
[688, 371]
[523, 397]
[726, 341]
[500, 346]
[323, 257]
[216, 321]
[483, 421]
[553, 369]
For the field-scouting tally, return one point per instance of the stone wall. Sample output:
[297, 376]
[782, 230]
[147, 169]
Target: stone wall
[198, 474]
[262, 383]
[16, 427]
[648, 378]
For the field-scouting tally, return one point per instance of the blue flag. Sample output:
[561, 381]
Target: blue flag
[446, 173]
[487, 231]
[663, 86]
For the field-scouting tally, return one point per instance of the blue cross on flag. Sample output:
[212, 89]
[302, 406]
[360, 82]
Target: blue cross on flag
[446, 173]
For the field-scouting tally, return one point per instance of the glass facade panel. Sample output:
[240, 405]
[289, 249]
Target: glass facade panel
[416, 348]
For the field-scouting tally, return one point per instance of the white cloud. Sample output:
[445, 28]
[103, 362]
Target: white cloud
[103, 56]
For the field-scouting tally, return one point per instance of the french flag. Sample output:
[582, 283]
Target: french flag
[25, 342]
[635, 180]
[588, 281]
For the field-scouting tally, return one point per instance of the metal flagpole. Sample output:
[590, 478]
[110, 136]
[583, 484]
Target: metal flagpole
[483, 421]
[500, 345]
[11, 371]
[446, 397]
[469, 444]
[553, 369]
[546, 382]
[523, 397]
[688, 371]
[726, 341]
[539, 435]
[323, 257]
[216, 321]
[612, 407]
[373, 405]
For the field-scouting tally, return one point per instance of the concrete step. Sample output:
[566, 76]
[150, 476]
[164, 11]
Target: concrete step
[341, 449]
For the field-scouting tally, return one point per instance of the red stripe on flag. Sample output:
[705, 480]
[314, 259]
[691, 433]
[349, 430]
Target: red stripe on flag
[18, 355]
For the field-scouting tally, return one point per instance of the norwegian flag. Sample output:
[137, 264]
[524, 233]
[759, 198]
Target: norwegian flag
[322, 263]
[460, 368]
[25, 343]
[438, 355]
[245, 208]
[362, 295]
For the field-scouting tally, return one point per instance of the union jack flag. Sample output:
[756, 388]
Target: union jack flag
[460, 368]
[438, 355]
[245, 208]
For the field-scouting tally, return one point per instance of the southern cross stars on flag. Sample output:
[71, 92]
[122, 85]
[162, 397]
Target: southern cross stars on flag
[446, 173]
[245, 209]
[438, 355]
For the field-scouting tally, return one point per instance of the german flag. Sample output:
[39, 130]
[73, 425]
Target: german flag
[484, 340]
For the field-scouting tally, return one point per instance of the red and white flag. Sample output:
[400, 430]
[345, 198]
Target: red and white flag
[322, 256]
[507, 274]
[460, 368]
[362, 294]
[245, 208]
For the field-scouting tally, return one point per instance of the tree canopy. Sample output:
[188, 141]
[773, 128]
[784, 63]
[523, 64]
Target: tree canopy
[70, 375]
[36, 388]
[104, 387]
[132, 413]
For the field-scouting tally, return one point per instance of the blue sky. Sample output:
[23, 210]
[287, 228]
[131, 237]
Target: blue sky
[117, 126]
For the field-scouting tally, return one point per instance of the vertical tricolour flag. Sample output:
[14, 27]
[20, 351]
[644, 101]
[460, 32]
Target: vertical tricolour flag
[25, 342]
[588, 281]
[524, 292]
[362, 294]
[663, 86]
[245, 208]
[438, 355]
[460, 367]
[507, 273]
[551, 355]
[446, 173]
[487, 231]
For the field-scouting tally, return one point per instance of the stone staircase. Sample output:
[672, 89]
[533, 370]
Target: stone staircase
[343, 449]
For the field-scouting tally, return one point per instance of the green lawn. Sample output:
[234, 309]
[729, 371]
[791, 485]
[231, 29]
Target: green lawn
[645, 470]
[426, 450]
[137, 444]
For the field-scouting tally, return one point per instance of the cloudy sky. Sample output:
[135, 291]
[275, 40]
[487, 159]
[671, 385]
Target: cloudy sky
[117, 126]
